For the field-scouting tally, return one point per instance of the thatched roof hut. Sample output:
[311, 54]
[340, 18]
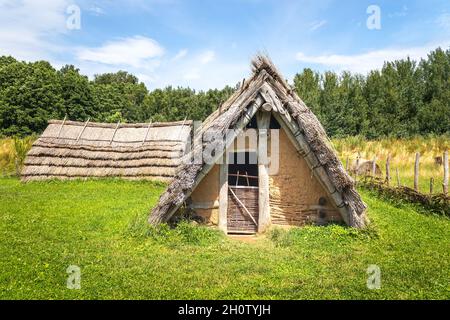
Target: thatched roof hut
[73, 150]
[329, 190]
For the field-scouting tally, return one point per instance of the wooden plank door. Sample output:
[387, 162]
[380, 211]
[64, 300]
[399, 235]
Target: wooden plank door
[243, 209]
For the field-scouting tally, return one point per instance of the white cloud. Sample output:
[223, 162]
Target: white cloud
[317, 25]
[181, 54]
[135, 51]
[402, 13]
[96, 11]
[371, 60]
[207, 57]
[444, 20]
[194, 73]
[27, 26]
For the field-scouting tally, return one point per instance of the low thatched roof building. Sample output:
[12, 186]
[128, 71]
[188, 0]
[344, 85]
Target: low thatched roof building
[73, 150]
[310, 184]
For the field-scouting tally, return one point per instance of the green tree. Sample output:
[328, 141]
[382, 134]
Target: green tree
[434, 114]
[31, 95]
[77, 94]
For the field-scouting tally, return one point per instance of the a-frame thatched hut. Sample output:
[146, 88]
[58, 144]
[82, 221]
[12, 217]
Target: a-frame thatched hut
[77, 150]
[309, 185]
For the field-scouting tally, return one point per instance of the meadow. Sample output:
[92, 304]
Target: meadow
[100, 226]
[403, 155]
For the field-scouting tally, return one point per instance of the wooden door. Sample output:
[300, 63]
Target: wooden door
[243, 210]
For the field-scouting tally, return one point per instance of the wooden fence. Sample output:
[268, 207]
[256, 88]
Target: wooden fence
[438, 203]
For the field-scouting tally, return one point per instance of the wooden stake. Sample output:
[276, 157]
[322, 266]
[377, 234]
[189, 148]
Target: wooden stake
[223, 194]
[81, 133]
[431, 185]
[357, 167]
[398, 178]
[146, 133]
[62, 125]
[374, 166]
[416, 172]
[114, 134]
[181, 130]
[388, 170]
[445, 184]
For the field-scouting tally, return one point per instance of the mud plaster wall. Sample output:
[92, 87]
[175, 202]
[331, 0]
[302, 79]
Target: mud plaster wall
[294, 192]
[207, 195]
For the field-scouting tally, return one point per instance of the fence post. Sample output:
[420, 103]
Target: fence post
[388, 170]
[357, 167]
[445, 184]
[416, 172]
[374, 166]
[398, 177]
[431, 185]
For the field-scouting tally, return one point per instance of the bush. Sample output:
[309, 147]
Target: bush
[12, 154]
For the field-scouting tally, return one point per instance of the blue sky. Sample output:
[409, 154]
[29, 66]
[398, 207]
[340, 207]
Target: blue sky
[208, 44]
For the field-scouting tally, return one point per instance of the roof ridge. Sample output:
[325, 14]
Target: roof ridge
[122, 125]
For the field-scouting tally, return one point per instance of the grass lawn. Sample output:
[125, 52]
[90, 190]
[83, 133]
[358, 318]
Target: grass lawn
[99, 226]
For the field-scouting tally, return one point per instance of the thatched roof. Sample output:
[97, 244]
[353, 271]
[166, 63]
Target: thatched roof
[266, 85]
[70, 150]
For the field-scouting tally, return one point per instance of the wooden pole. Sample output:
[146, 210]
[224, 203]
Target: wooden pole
[146, 133]
[182, 127]
[357, 167]
[398, 178]
[84, 127]
[223, 193]
[431, 185]
[62, 125]
[388, 170]
[263, 123]
[416, 172]
[114, 134]
[374, 166]
[445, 184]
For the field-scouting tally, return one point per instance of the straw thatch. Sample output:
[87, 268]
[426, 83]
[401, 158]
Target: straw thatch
[266, 86]
[71, 150]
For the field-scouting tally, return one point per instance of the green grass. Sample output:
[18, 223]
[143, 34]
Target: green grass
[100, 226]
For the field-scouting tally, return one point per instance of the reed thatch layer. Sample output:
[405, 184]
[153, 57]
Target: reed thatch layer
[69, 150]
[267, 84]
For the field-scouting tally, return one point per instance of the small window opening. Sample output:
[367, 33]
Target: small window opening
[243, 169]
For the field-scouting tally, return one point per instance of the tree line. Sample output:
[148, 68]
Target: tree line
[404, 98]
